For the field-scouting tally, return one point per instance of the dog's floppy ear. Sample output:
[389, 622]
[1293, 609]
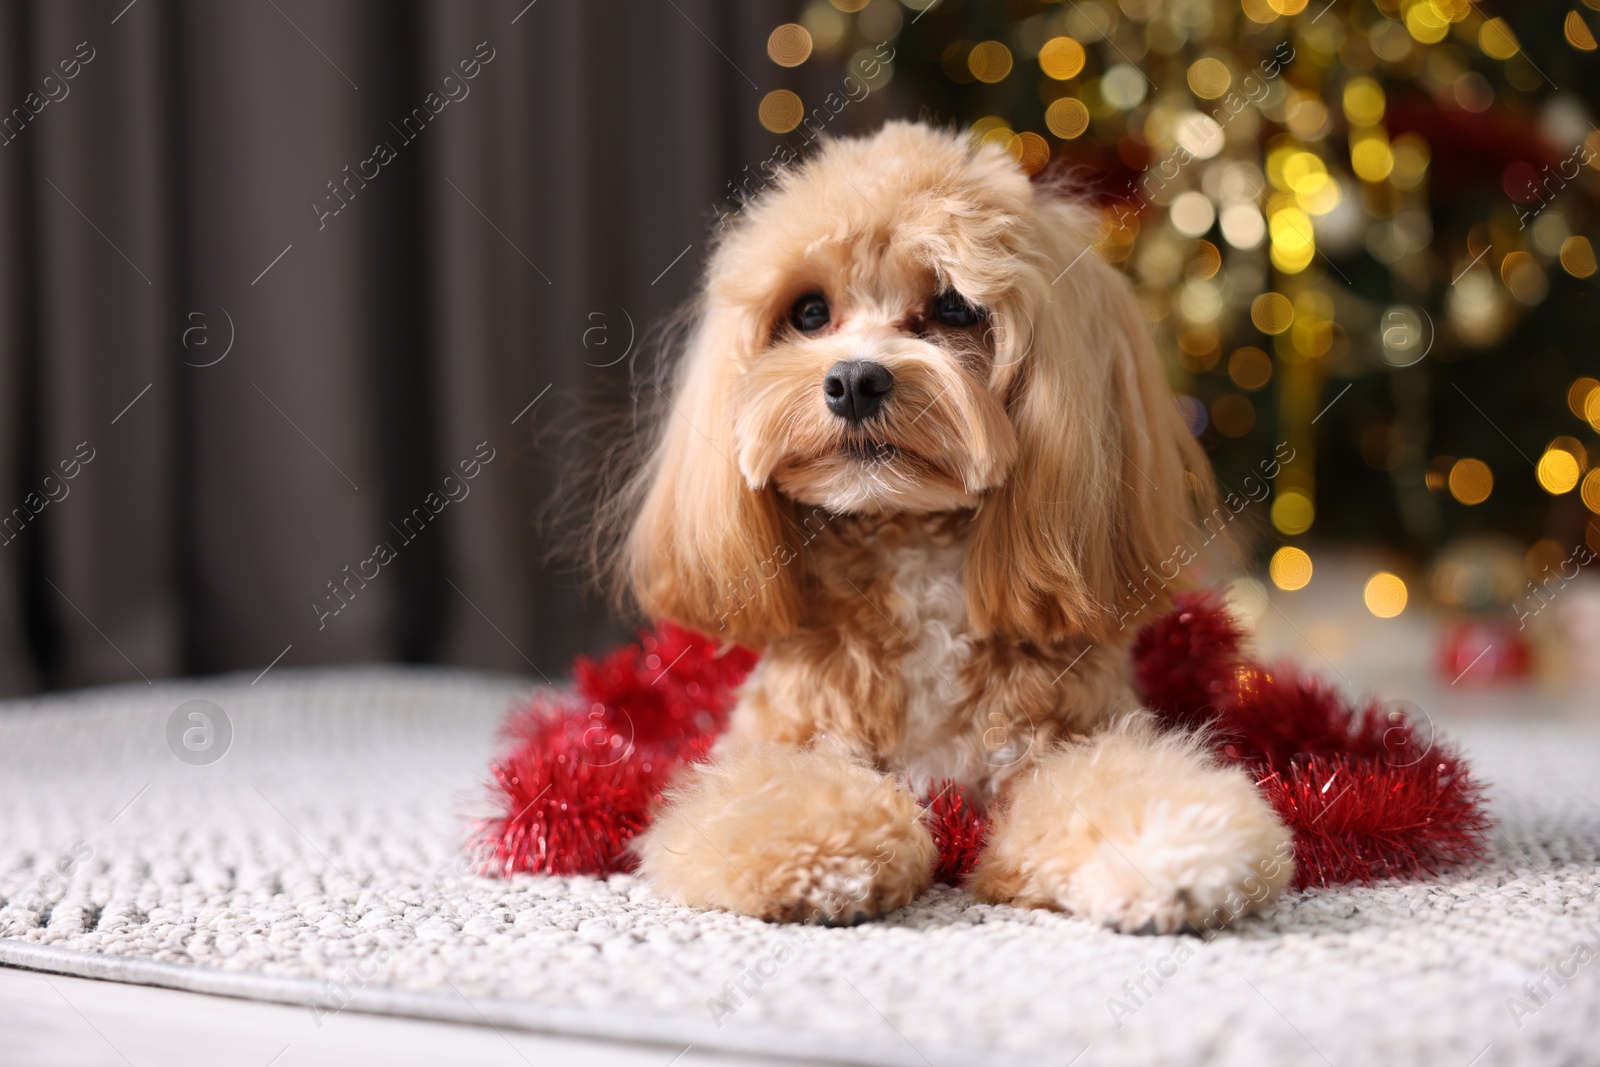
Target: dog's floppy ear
[1095, 518]
[707, 550]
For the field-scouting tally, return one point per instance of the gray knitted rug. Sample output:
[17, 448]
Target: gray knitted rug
[307, 848]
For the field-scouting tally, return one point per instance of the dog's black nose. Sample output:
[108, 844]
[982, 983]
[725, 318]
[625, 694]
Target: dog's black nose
[856, 388]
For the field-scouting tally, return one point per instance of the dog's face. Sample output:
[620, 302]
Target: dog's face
[904, 324]
[876, 382]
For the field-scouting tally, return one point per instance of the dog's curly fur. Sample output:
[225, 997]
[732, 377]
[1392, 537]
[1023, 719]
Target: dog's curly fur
[935, 588]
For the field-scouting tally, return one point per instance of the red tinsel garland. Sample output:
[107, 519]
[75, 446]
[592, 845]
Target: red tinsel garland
[1365, 797]
[584, 768]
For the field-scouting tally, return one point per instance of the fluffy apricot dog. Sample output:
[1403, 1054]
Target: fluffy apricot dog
[919, 449]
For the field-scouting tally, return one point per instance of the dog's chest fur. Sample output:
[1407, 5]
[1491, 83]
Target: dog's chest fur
[928, 604]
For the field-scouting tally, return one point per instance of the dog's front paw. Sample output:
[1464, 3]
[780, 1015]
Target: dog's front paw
[1139, 831]
[1198, 867]
[789, 835]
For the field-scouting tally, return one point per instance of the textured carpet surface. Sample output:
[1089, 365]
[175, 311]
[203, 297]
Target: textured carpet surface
[320, 861]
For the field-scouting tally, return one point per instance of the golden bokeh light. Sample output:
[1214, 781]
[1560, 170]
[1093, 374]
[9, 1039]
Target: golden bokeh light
[867, 59]
[953, 61]
[789, 45]
[1205, 262]
[1276, 158]
[1496, 39]
[989, 61]
[1371, 157]
[1471, 481]
[1321, 196]
[1288, 7]
[1000, 135]
[1577, 33]
[1385, 595]
[1363, 101]
[1411, 158]
[1030, 150]
[1250, 368]
[1197, 347]
[1290, 568]
[1272, 313]
[1591, 491]
[1558, 471]
[1426, 24]
[1578, 394]
[824, 23]
[1293, 513]
[1293, 246]
[1209, 77]
[781, 111]
[1437, 477]
[1524, 277]
[1258, 11]
[1067, 118]
[1062, 58]
[1573, 447]
[881, 20]
[1308, 117]
[850, 5]
[1303, 172]
[1591, 409]
[1577, 256]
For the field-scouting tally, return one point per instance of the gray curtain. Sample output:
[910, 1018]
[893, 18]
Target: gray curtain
[242, 345]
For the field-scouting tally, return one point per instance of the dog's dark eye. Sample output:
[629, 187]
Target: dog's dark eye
[810, 313]
[953, 309]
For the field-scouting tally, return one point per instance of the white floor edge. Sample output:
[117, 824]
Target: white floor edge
[668, 1033]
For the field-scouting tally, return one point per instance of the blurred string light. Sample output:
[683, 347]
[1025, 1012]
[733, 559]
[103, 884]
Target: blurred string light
[1579, 394]
[1385, 595]
[1577, 256]
[1210, 77]
[989, 61]
[1067, 118]
[781, 111]
[826, 25]
[1561, 466]
[1030, 150]
[1577, 33]
[881, 21]
[1290, 568]
[1192, 214]
[1470, 481]
[1250, 368]
[1124, 86]
[1293, 512]
[1272, 313]
[1591, 491]
[789, 45]
[1062, 58]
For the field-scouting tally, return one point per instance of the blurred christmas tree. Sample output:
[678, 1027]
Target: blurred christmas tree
[1361, 228]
